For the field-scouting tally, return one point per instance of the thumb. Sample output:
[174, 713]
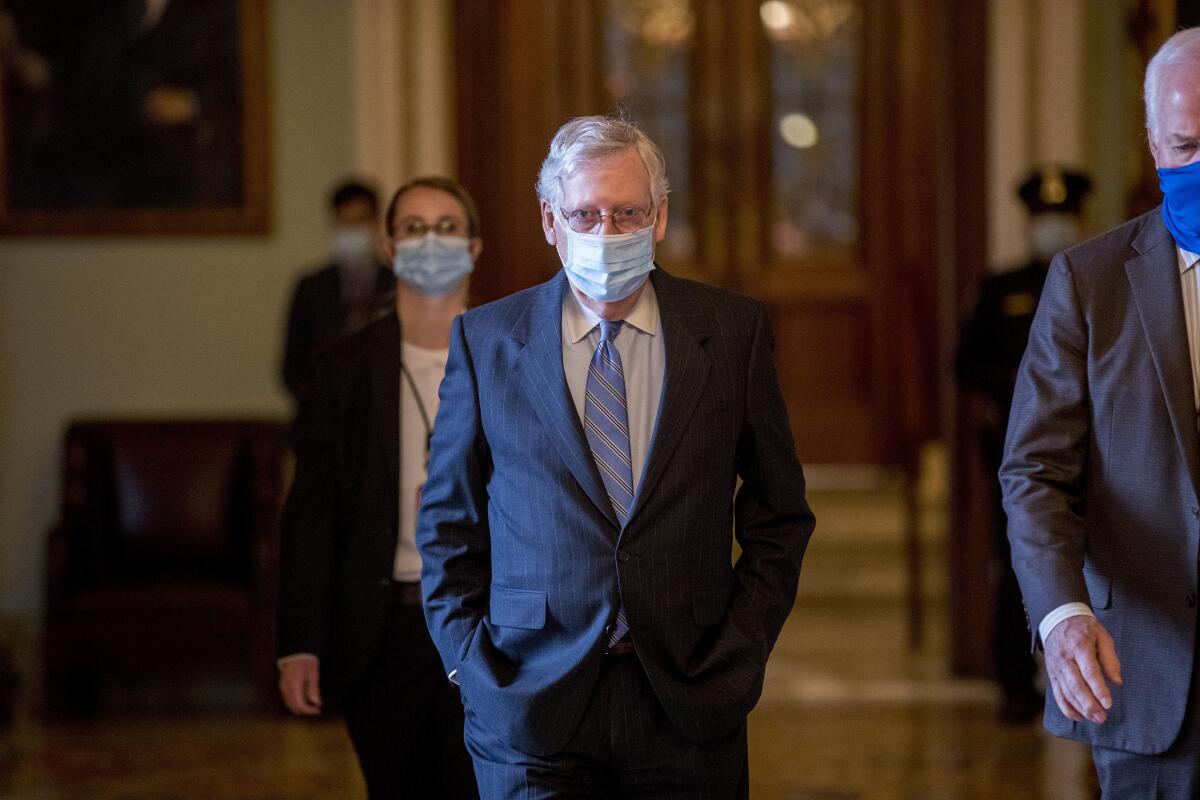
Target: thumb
[312, 688]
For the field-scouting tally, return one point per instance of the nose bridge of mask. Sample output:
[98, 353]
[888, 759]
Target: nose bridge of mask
[415, 243]
[607, 253]
[449, 244]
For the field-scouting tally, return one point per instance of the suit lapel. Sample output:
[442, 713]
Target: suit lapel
[385, 391]
[1154, 279]
[541, 366]
[685, 328]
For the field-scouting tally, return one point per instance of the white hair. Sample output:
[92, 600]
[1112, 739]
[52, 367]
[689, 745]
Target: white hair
[1182, 48]
[585, 141]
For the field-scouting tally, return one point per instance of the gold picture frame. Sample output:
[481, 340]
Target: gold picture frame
[134, 118]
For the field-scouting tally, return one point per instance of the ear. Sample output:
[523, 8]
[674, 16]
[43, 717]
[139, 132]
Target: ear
[660, 225]
[548, 227]
[476, 247]
[389, 247]
[1153, 146]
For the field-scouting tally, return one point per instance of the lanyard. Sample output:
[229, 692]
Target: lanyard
[412, 385]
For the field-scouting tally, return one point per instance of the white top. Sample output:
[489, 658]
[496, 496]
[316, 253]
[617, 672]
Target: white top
[643, 361]
[426, 367]
[1189, 277]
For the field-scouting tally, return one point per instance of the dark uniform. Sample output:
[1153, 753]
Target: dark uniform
[989, 353]
[319, 313]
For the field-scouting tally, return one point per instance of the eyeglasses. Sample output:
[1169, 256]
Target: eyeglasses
[626, 219]
[414, 227]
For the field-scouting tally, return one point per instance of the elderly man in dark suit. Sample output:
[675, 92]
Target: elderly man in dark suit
[577, 524]
[1101, 472]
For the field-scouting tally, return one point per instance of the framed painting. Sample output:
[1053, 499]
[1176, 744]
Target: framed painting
[133, 117]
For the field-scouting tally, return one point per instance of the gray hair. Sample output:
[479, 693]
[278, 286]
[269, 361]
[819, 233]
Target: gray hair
[585, 141]
[1182, 48]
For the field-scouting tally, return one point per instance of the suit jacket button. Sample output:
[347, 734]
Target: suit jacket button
[1196, 512]
[623, 557]
[384, 581]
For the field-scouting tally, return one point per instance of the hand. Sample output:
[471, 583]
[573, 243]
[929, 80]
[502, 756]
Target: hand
[1080, 660]
[300, 686]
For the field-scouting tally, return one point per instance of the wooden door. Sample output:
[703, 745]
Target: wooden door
[814, 150]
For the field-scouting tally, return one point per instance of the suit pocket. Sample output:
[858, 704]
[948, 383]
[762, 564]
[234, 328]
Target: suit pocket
[518, 608]
[710, 604]
[1099, 588]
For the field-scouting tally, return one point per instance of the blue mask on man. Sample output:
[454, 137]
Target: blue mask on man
[608, 268]
[1181, 204]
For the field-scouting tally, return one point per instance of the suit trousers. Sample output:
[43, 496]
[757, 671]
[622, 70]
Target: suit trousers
[1171, 775]
[624, 748]
[405, 718]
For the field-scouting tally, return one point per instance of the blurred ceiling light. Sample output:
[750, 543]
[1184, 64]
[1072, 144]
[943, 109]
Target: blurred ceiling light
[798, 130]
[806, 21]
[777, 15]
[659, 23]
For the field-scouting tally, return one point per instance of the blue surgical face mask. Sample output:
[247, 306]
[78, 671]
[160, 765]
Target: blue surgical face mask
[609, 268]
[1181, 204]
[432, 264]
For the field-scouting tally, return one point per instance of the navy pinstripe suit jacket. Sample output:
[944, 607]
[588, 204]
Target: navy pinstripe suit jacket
[522, 553]
[1101, 472]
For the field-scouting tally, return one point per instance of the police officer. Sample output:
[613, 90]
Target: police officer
[990, 349]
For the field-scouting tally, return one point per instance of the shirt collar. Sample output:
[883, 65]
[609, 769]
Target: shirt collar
[1187, 259]
[579, 320]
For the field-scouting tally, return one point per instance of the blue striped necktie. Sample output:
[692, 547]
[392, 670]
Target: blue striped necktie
[606, 423]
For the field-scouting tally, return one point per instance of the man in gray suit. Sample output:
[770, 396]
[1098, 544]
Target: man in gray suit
[1102, 469]
[577, 522]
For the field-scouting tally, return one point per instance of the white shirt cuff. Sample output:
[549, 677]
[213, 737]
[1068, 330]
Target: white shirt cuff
[294, 657]
[1065, 611]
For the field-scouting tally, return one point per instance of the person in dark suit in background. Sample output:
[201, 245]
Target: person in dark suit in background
[351, 630]
[1102, 468]
[989, 353]
[346, 293]
[576, 528]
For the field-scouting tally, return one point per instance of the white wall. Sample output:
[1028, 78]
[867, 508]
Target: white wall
[1036, 108]
[161, 326]
[403, 89]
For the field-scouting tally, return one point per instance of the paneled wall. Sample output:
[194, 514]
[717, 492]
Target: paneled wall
[153, 325]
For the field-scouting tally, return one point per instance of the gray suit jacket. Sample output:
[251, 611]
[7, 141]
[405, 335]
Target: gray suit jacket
[1100, 472]
[524, 560]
